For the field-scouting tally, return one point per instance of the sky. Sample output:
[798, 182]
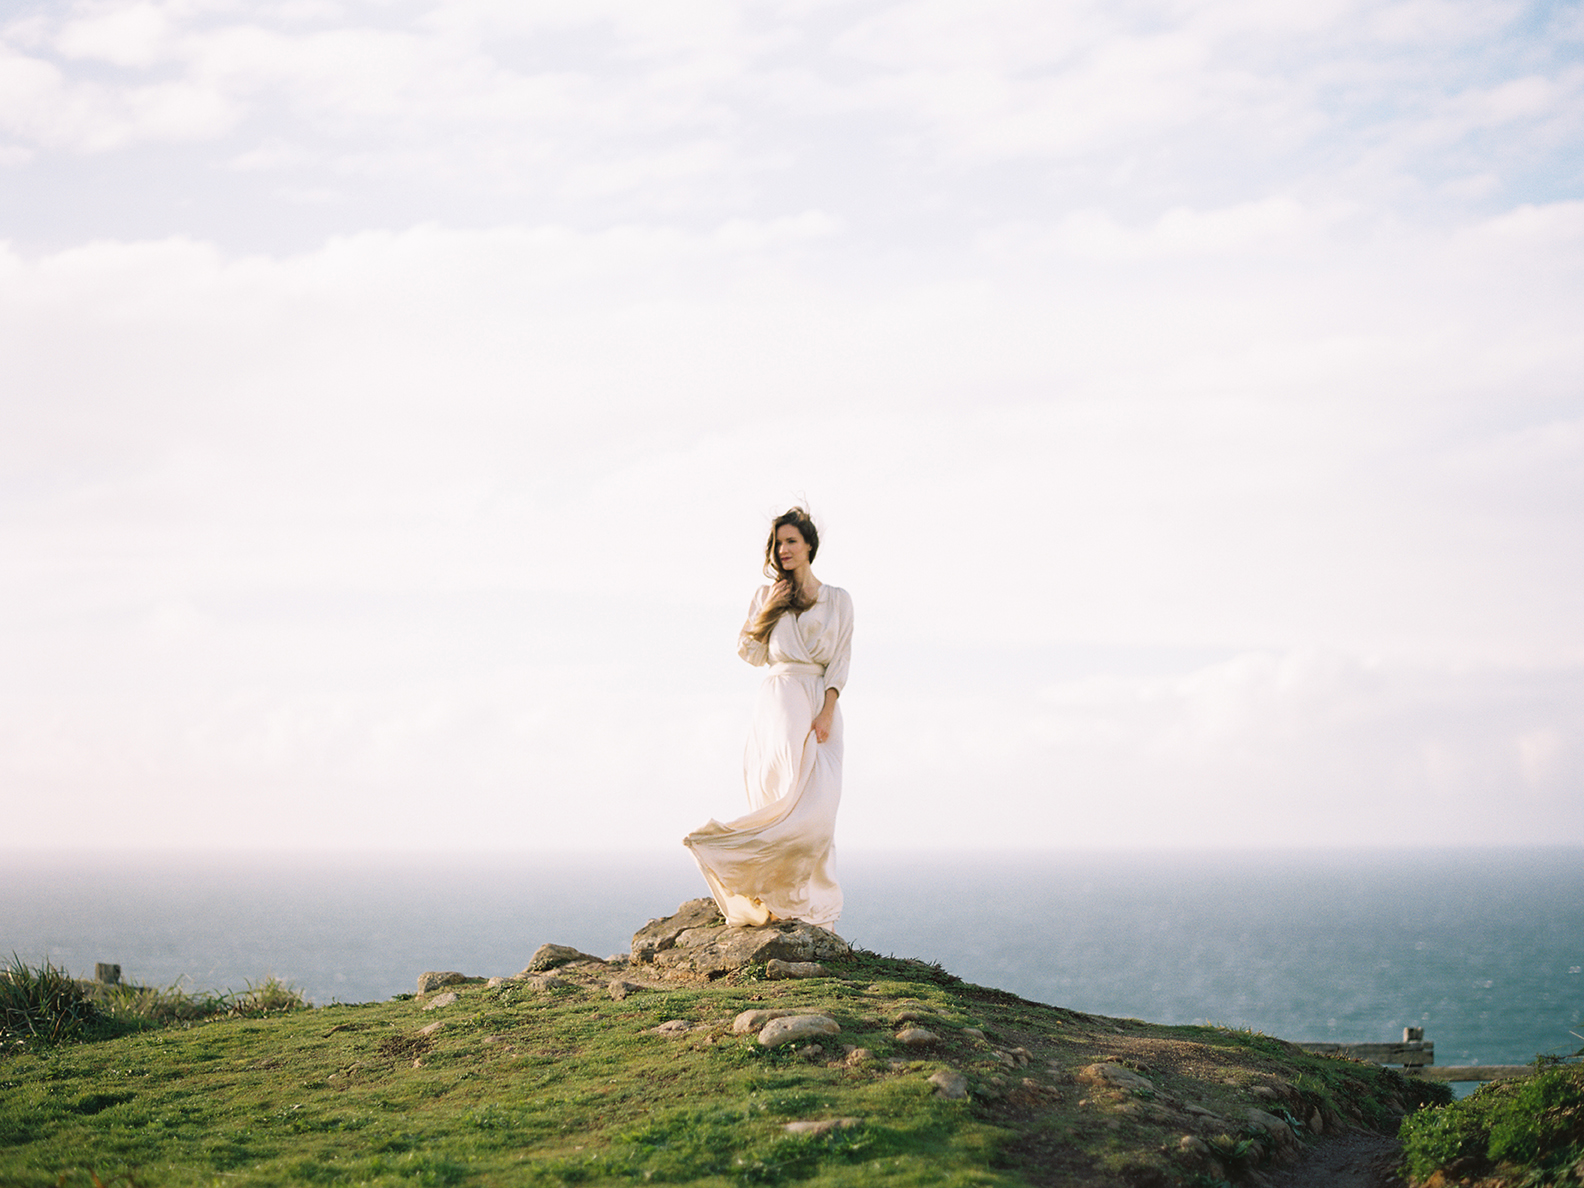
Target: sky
[395, 395]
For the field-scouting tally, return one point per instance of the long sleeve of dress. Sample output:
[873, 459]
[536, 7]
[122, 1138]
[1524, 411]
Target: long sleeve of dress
[749, 648]
[841, 652]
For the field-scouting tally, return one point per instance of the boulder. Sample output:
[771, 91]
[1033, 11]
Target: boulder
[750, 1022]
[790, 1028]
[915, 1037]
[549, 956]
[950, 1084]
[660, 935]
[548, 981]
[431, 980]
[711, 952]
[441, 1000]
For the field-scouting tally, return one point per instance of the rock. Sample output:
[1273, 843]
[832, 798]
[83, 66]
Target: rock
[620, 989]
[1272, 1126]
[1265, 1092]
[814, 1052]
[915, 1037]
[549, 956]
[441, 1000]
[1191, 1144]
[712, 952]
[790, 1028]
[1316, 1122]
[913, 1016]
[751, 1021]
[973, 1033]
[1114, 1076]
[432, 1028]
[776, 969]
[857, 1056]
[433, 979]
[547, 981]
[950, 1083]
[674, 1027]
[822, 1127]
[659, 935]
[494, 982]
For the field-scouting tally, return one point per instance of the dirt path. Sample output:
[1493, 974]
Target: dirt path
[1356, 1160]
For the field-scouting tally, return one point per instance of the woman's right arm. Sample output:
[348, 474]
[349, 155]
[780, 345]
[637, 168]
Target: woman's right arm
[749, 648]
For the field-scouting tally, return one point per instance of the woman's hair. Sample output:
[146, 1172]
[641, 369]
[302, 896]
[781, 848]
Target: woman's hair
[770, 613]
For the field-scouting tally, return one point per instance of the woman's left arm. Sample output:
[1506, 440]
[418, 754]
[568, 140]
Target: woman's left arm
[826, 716]
[836, 670]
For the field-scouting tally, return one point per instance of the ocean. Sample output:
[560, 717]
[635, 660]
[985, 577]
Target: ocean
[1482, 948]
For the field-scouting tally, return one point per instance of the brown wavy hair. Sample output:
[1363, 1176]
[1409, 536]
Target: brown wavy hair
[777, 604]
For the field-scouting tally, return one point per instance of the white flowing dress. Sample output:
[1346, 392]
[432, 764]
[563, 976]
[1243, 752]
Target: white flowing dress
[781, 858]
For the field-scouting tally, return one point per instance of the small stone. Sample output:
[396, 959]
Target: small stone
[441, 1000]
[857, 1056]
[550, 981]
[973, 1033]
[432, 1028]
[620, 989]
[549, 956]
[791, 1028]
[776, 969]
[821, 1127]
[1114, 1076]
[915, 1016]
[813, 1052]
[674, 1027]
[1193, 1145]
[752, 1021]
[915, 1036]
[432, 980]
[950, 1083]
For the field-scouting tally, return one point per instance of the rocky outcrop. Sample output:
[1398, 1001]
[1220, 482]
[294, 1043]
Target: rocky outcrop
[696, 943]
[550, 956]
[659, 935]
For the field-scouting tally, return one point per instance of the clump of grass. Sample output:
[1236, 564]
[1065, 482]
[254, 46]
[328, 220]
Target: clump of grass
[136, 1007]
[1532, 1128]
[42, 1004]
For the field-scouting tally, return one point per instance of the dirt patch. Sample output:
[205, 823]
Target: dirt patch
[1356, 1160]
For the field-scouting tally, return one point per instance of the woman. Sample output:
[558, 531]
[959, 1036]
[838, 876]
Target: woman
[779, 862]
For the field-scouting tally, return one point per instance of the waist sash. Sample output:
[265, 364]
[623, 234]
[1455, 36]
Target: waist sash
[796, 668]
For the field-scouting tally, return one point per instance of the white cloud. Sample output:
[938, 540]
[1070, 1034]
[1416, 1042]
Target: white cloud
[1189, 391]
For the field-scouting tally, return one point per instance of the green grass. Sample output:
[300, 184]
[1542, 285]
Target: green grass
[572, 1087]
[1529, 1131]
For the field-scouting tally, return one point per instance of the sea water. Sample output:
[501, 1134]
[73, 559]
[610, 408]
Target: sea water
[1481, 948]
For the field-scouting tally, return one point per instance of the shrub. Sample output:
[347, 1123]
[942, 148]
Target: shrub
[1535, 1125]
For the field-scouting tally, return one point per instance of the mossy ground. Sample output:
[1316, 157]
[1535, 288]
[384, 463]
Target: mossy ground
[570, 1086]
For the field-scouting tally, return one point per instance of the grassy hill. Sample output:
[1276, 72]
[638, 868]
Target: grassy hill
[565, 1084]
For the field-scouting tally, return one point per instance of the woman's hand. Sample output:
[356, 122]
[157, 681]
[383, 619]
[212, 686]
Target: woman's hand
[823, 721]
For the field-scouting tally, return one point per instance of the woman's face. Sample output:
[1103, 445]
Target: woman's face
[791, 549]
